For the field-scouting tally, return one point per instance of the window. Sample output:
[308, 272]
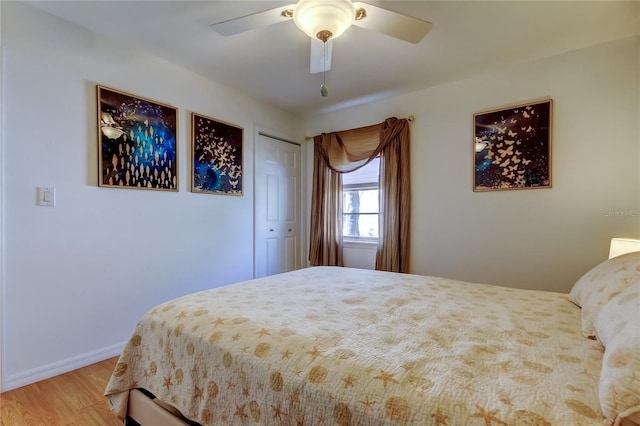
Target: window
[360, 203]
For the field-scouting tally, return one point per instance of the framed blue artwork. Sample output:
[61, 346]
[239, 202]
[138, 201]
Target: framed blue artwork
[137, 142]
[217, 149]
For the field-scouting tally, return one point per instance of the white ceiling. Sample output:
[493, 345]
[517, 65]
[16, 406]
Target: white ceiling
[272, 63]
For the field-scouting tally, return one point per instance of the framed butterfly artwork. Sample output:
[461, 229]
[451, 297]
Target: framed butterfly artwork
[217, 149]
[512, 147]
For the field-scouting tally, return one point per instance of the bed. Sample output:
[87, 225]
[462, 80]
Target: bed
[340, 346]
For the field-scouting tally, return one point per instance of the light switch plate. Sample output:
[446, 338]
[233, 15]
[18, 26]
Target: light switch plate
[47, 196]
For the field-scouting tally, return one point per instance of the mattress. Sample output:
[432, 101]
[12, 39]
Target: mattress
[331, 345]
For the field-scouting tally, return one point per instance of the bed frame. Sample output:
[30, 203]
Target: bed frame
[145, 410]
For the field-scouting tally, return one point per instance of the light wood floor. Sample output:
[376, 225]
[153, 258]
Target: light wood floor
[71, 399]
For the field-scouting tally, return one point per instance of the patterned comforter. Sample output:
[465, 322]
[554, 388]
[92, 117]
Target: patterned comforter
[329, 345]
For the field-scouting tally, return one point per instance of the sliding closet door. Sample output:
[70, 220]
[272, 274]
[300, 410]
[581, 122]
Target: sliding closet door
[277, 206]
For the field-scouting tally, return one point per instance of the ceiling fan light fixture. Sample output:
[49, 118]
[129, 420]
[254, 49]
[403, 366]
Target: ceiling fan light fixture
[324, 19]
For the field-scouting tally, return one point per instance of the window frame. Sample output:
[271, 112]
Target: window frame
[360, 241]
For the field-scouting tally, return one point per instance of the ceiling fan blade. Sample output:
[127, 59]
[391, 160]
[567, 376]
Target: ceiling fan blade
[318, 61]
[391, 23]
[255, 20]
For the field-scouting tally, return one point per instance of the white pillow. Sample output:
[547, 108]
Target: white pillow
[601, 284]
[618, 329]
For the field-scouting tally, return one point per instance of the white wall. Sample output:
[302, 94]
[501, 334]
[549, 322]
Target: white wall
[78, 276]
[359, 255]
[540, 239]
[1, 202]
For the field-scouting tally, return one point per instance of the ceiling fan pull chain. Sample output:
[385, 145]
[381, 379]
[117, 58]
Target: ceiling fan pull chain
[324, 91]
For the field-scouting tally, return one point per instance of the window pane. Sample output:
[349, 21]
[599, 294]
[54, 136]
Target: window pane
[360, 213]
[360, 201]
[360, 225]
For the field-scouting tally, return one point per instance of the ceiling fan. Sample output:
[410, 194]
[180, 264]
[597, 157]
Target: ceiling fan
[324, 20]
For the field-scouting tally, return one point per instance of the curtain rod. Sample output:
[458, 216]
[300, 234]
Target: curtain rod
[278, 138]
[409, 118]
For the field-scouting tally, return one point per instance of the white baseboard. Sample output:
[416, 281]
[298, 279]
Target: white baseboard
[24, 378]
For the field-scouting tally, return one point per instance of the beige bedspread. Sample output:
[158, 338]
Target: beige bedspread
[355, 347]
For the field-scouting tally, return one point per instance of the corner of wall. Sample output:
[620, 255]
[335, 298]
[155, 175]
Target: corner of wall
[1, 209]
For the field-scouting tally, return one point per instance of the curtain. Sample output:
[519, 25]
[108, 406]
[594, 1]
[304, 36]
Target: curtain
[325, 240]
[346, 151]
[395, 197]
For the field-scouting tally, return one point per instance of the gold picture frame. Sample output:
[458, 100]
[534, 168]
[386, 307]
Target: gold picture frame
[217, 149]
[137, 142]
